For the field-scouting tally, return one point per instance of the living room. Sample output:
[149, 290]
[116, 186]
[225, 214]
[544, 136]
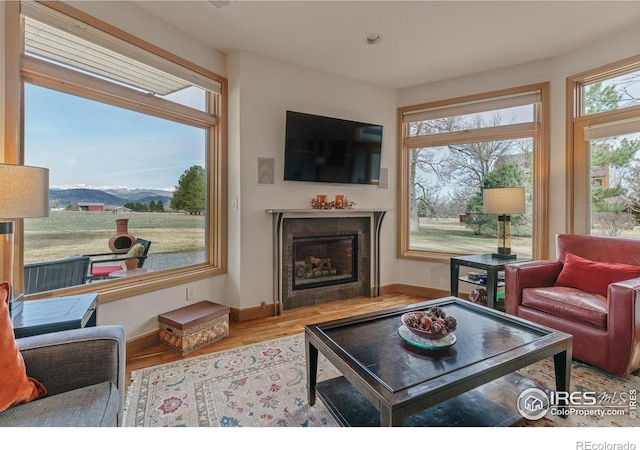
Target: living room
[262, 88]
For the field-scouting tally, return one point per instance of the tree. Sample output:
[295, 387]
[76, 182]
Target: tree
[598, 98]
[462, 166]
[632, 181]
[613, 162]
[612, 200]
[137, 206]
[424, 160]
[617, 159]
[507, 175]
[471, 162]
[190, 192]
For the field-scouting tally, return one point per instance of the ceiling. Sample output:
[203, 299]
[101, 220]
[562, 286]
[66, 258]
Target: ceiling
[422, 41]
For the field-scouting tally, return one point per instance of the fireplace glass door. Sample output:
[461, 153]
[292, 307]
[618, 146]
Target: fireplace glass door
[324, 261]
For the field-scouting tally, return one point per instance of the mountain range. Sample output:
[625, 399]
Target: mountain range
[109, 197]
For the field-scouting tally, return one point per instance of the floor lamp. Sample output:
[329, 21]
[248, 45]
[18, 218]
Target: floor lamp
[504, 201]
[24, 192]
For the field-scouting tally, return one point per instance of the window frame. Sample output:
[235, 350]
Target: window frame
[540, 166]
[578, 217]
[23, 68]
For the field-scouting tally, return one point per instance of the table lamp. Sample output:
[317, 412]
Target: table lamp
[24, 192]
[504, 201]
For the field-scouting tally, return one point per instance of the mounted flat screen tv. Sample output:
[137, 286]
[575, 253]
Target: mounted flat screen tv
[329, 150]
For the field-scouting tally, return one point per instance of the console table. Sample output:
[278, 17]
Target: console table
[56, 314]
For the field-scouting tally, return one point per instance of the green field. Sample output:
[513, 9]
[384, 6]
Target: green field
[449, 235]
[66, 233]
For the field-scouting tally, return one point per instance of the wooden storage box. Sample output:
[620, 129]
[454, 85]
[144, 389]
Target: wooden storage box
[187, 329]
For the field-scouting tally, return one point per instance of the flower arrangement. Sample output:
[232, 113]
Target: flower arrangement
[341, 202]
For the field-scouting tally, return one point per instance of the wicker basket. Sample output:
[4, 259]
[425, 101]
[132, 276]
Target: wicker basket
[190, 328]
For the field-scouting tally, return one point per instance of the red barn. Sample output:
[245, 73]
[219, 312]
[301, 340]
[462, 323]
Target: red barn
[85, 206]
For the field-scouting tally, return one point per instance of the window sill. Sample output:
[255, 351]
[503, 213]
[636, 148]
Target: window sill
[421, 255]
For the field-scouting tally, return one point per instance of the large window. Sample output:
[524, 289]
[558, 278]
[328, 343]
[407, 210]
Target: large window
[450, 152]
[604, 164]
[126, 133]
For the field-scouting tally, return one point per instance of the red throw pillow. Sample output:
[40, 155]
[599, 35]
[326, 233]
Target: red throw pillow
[16, 387]
[593, 276]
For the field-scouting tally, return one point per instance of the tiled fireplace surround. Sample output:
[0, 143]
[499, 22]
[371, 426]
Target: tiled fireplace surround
[290, 224]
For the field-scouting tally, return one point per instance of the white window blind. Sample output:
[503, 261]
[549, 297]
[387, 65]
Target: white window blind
[610, 129]
[472, 107]
[60, 38]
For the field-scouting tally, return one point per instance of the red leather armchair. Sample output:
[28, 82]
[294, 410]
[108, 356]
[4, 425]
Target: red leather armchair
[605, 328]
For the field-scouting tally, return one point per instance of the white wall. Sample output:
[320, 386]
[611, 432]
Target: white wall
[263, 90]
[623, 44]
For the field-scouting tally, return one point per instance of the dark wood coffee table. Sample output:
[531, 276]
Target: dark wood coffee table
[388, 382]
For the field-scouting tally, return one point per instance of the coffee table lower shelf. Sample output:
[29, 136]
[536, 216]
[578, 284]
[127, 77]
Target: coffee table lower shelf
[489, 405]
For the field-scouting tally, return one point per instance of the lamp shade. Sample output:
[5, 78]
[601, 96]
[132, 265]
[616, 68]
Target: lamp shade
[24, 191]
[503, 201]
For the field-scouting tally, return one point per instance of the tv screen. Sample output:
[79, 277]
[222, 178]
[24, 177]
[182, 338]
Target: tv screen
[330, 150]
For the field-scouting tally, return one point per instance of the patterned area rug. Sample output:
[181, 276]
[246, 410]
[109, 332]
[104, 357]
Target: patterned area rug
[260, 385]
[264, 385]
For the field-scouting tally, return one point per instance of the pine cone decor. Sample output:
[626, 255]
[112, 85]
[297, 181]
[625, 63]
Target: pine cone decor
[431, 324]
[450, 323]
[437, 312]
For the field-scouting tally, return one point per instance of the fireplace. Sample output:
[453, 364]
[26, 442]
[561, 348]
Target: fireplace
[324, 261]
[323, 256]
[330, 243]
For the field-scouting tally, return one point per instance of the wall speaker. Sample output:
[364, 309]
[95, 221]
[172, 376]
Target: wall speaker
[266, 172]
[383, 180]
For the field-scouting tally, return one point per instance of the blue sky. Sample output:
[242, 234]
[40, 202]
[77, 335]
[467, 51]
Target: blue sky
[86, 143]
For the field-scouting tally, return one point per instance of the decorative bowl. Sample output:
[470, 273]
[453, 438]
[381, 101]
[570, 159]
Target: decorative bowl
[412, 320]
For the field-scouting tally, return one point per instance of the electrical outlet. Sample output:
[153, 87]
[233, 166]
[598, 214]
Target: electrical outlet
[191, 295]
[263, 304]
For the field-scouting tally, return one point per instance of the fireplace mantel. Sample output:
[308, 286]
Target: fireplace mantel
[306, 211]
[279, 215]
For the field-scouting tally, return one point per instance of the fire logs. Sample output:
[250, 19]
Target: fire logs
[314, 267]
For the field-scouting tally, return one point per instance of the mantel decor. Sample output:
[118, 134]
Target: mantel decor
[340, 202]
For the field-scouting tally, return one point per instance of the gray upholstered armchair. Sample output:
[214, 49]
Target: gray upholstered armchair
[83, 371]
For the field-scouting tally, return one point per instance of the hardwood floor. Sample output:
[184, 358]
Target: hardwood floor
[264, 329]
